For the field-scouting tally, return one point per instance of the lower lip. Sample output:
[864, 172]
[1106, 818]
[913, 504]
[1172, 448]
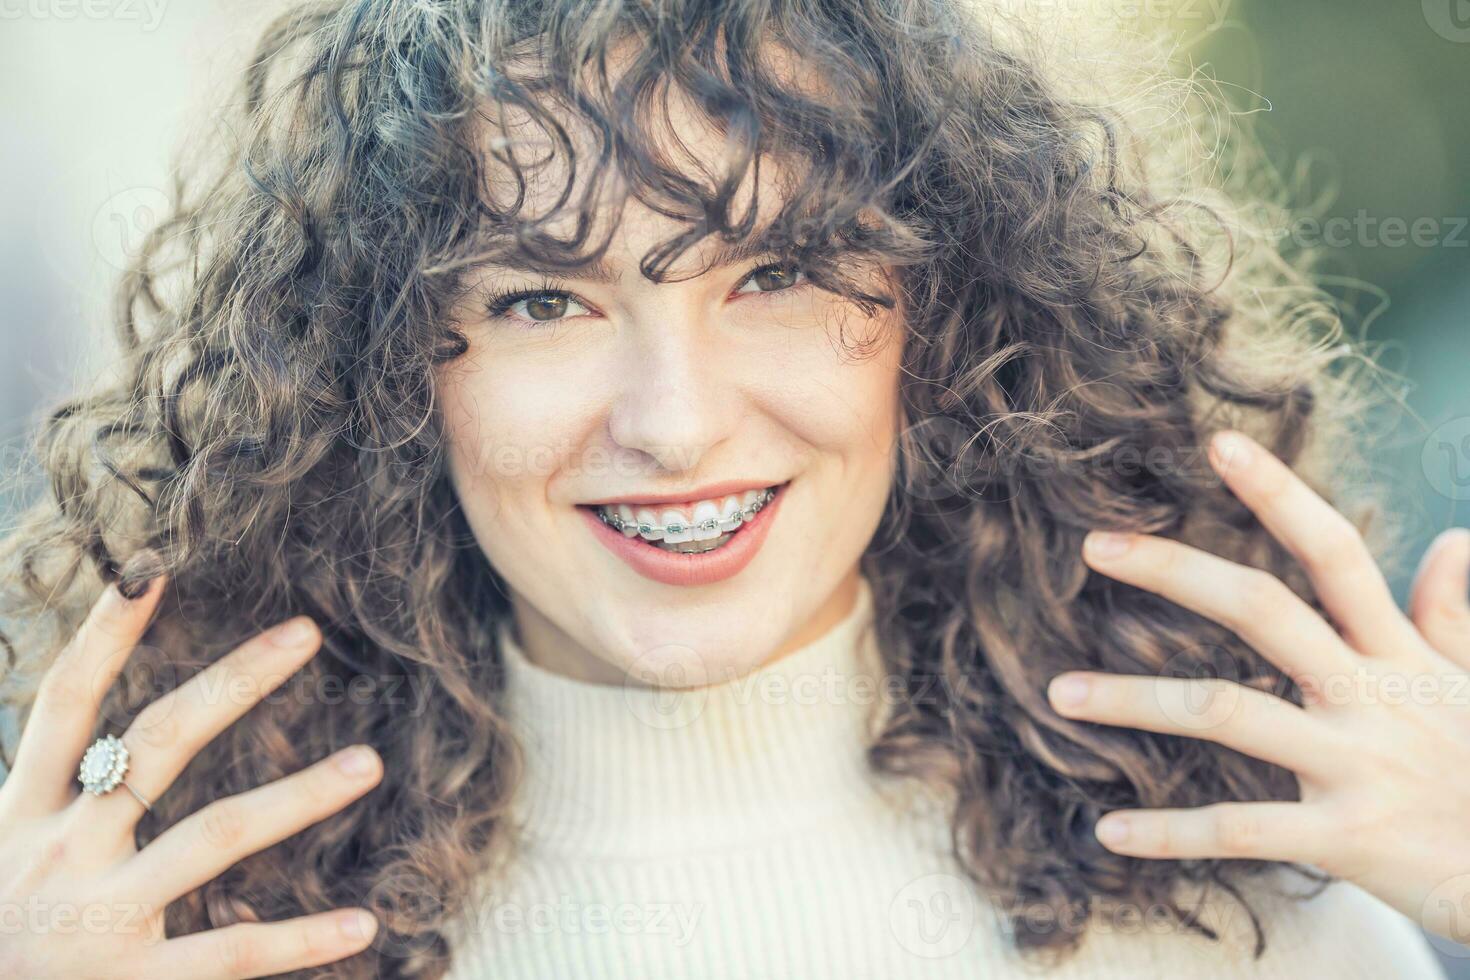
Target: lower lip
[671, 568]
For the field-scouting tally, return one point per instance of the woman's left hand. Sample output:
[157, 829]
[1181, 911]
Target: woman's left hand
[1381, 748]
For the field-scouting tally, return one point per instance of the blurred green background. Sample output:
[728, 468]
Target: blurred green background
[1368, 112]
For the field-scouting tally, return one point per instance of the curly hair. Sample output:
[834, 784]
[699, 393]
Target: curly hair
[1080, 313]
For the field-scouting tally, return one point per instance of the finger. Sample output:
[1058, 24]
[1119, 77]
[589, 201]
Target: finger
[203, 845]
[1439, 603]
[1268, 831]
[70, 695]
[264, 949]
[170, 731]
[1258, 724]
[1254, 604]
[1326, 544]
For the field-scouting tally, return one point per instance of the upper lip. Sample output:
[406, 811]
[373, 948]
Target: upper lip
[707, 492]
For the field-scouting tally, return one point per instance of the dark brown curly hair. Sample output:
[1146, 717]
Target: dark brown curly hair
[1081, 312]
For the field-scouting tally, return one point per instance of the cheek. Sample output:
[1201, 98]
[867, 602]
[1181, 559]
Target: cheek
[506, 433]
[838, 403]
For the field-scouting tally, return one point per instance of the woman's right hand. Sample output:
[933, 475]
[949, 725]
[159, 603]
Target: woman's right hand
[77, 896]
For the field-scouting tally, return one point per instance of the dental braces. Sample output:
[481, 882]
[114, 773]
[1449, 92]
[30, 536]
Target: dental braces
[739, 517]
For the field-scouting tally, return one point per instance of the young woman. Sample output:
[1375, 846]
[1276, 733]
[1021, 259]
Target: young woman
[671, 440]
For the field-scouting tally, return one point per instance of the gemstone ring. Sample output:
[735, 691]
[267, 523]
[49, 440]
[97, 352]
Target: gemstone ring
[103, 767]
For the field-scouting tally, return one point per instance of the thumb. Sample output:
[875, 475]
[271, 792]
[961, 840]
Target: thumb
[1439, 604]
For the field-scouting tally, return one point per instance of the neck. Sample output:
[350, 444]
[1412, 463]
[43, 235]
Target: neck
[552, 649]
[624, 769]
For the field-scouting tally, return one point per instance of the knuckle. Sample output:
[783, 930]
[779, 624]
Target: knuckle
[222, 825]
[64, 686]
[313, 941]
[239, 953]
[1167, 559]
[1211, 704]
[1367, 822]
[1454, 609]
[51, 852]
[1242, 708]
[321, 788]
[1450, 613]
[1163, 835]
[1261, 595]
[45, 861]
[1274, 484]
[1104, 695]
[1337, 546]
[1238, 832]
[157, 725]
[1351, 851]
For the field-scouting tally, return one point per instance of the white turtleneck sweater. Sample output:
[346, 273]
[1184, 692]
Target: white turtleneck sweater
[735, 831]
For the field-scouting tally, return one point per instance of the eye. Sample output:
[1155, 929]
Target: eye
[543, 305]
[779, 276]
[548, 304]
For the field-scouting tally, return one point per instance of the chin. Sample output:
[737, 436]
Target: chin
[707, 652]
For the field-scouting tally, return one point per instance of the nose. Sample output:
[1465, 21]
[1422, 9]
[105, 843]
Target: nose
[674, 402]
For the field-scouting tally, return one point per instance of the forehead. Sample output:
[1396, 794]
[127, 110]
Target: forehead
[670, 124]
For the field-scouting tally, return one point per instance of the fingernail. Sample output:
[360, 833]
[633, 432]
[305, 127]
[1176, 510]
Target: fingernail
[138, 573]
[291, 632]
[1230, 450]
[356, 761]
[1070, 690]
[135, 589]
[1112, 830]
[1106, 544]
[360, 924]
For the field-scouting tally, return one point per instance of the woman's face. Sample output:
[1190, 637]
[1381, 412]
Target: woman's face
[642, 394]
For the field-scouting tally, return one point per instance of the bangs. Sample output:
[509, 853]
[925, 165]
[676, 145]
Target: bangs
[587, 131]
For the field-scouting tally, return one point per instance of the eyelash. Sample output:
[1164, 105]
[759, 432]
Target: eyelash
[499, 302]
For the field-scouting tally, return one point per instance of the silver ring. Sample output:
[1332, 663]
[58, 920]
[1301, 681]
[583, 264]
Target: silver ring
[103, 767]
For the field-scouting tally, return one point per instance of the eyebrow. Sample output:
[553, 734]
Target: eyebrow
[601, 272]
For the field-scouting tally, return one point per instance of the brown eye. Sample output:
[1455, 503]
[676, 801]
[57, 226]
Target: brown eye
[547, 306]
[542, 306]
[775, 277]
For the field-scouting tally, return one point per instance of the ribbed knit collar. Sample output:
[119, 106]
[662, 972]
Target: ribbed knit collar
[627, 771]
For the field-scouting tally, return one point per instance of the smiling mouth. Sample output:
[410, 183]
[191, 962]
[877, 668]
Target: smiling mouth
[711, 526]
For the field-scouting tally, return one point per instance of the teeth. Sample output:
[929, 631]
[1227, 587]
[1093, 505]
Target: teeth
[694, 547]
[630, 521]
[709, 520]
[706, 522]
[649, 525]
[675, 530]
[729, 507]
